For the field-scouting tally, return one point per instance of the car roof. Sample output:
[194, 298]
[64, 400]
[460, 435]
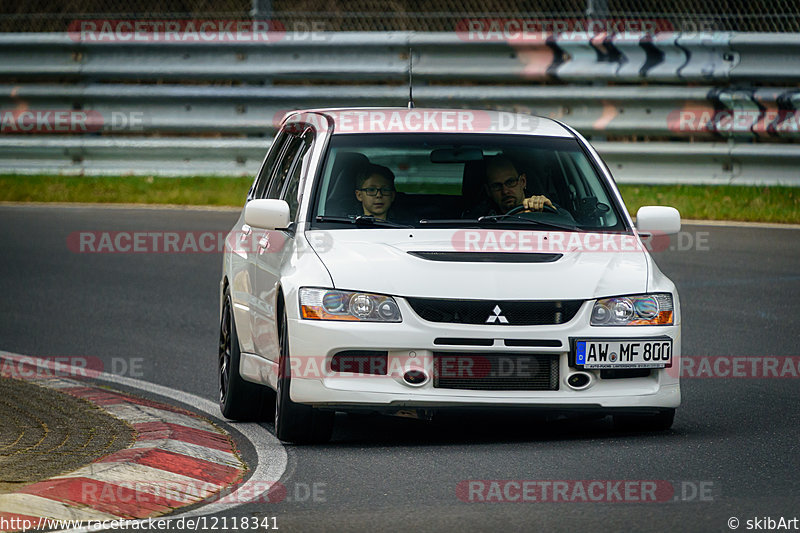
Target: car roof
[350, 120]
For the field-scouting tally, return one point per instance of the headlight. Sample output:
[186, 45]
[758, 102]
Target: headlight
[330, 304]
[639, 310]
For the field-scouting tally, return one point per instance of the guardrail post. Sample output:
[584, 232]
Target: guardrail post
[262, 9]
[596, 8]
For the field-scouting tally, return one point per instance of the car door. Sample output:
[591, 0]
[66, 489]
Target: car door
[273, 246]
[242, 248]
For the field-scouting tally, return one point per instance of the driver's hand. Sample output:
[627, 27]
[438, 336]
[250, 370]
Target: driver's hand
[536, 203]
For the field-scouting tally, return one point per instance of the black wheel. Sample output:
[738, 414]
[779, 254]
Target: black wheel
[296, 422]
[661, 421]
[238, 399]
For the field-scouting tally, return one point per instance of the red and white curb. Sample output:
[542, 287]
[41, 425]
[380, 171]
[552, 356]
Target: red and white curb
[178, 458]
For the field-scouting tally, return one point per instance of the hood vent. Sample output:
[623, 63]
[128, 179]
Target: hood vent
[488, 257]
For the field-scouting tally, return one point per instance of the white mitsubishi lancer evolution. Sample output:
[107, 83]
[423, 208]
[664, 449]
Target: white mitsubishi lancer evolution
[409, 261]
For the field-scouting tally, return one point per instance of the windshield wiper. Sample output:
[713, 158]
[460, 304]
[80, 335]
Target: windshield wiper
[448, 221]
[363, 220]
[497, 218]
[492, 220]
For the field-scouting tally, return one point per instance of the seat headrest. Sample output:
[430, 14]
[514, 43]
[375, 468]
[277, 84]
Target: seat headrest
[472, 185]
[341, 199]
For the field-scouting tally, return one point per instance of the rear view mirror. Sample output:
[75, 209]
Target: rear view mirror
[658, 219]
[269, 214]
[456, 155]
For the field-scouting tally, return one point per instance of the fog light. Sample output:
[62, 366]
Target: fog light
[579, 380]
[415, 377]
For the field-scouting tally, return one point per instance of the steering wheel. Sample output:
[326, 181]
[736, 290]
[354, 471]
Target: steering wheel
[521, 208]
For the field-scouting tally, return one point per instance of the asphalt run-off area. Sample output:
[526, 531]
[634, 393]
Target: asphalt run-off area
[145, 326]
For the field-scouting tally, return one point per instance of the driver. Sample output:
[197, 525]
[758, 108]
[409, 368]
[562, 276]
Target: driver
[505, 187]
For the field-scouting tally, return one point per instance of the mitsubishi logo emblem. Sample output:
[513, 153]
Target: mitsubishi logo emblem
[496, 316]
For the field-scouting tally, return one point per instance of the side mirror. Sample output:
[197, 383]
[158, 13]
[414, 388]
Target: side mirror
[269, 214]
[658, 219]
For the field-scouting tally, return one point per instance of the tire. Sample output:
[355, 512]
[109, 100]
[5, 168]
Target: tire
[295, 422]
[238, 399]
[661, 421]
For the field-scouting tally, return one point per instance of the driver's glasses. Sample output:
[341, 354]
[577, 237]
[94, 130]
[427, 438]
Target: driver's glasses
[373, 191]
[510, 183]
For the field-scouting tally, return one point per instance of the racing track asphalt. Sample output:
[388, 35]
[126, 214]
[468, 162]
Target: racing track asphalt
[156, 314]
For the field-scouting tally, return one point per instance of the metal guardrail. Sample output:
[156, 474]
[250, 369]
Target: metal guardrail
[675, 112]
[676, 87]
[184, 156]
[763, 55]
[648, 163]
[703, 163]
[336, 56]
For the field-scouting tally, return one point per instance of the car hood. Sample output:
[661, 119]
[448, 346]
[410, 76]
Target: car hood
[377, 260]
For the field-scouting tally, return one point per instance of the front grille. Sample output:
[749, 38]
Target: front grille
[496, 312]
[539, 343]
[493, 371]
[458, 341]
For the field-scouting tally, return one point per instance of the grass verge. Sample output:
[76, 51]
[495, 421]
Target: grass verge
[210, 191]
[718, 202]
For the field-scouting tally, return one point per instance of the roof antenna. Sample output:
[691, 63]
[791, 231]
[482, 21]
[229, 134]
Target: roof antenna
[410, 86]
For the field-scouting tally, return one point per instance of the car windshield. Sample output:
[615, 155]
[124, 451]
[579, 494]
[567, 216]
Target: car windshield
[440, 180]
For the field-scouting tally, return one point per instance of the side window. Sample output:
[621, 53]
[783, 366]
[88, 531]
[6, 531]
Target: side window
[296, 171]
[260, 185]
[282, 167]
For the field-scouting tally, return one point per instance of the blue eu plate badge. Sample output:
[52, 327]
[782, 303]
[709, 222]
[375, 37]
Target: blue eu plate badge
[580, 352]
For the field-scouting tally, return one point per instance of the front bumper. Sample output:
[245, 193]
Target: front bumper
[410, 344]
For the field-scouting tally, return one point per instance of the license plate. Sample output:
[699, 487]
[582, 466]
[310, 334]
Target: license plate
[628, 353]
